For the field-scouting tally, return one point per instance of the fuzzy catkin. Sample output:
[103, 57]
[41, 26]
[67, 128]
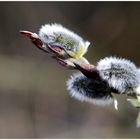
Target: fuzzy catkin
[89, 90]
[56, 34]
[121, 74]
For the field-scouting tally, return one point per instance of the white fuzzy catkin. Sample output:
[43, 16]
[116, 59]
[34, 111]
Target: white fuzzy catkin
[121, 74]
[58, 35]
[92, 91]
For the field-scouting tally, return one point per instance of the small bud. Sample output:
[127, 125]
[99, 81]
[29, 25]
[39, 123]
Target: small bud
[89, 90]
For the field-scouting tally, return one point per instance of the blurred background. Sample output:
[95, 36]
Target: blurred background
[34, 102]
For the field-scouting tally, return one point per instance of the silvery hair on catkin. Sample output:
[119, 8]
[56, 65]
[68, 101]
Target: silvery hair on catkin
[50, 32]
[121, 74]
[89, 90]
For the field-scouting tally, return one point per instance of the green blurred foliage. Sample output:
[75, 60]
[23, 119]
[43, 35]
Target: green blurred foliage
[34, 102]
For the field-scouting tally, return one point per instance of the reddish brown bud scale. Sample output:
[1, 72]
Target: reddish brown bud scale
[26, 33]
[88, 70]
